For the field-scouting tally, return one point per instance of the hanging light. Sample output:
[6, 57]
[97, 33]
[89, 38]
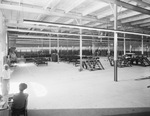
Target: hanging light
[79, 27]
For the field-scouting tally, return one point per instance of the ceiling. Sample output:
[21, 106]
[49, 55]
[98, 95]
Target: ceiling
[133, 16]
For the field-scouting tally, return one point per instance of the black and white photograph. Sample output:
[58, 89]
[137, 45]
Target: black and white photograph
[74, 57]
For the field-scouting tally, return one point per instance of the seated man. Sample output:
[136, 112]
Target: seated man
[20, 100]
[2, 102]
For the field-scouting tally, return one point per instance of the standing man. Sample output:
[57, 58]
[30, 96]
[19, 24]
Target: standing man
[5, 83]
[5, 80]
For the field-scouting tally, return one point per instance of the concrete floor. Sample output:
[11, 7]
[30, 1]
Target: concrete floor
[62, 86]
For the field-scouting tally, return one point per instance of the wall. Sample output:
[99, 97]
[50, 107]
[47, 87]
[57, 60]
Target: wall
[3, 51]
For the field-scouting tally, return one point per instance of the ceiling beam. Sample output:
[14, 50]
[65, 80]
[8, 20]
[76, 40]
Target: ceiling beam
[135, 18]
[146, 1]
[73, 5]
[145, 25]
[93, 23]
[132, 7]
[141, 21]
[39, 17]
[104, 26]
[69, 21]
[51, 4]
[67, 10]
[44, 12]
[48, 4]
[125, 14]
[123, 27]
[109, 12]
[105, 13]
[16, 2]
[129, 6]
[95, 7]
[52, 19]
[140, 2]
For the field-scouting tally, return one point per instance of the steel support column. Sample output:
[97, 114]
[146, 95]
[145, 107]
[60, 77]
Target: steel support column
[108, 47]
[142, 47]
[58, 48]
[50, 46]
[81, 68]
[115, 44]
[124, 45]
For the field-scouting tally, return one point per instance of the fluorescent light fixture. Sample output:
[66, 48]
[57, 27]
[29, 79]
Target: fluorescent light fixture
[79, 27]
[63, 25]
[46, 32]
[43, 32]
[43, 37]
[48, 37]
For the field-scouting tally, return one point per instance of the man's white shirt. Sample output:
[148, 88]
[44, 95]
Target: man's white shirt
[6, 74]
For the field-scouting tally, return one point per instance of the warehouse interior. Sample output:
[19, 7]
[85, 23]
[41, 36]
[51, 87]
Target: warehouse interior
[78, 57]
